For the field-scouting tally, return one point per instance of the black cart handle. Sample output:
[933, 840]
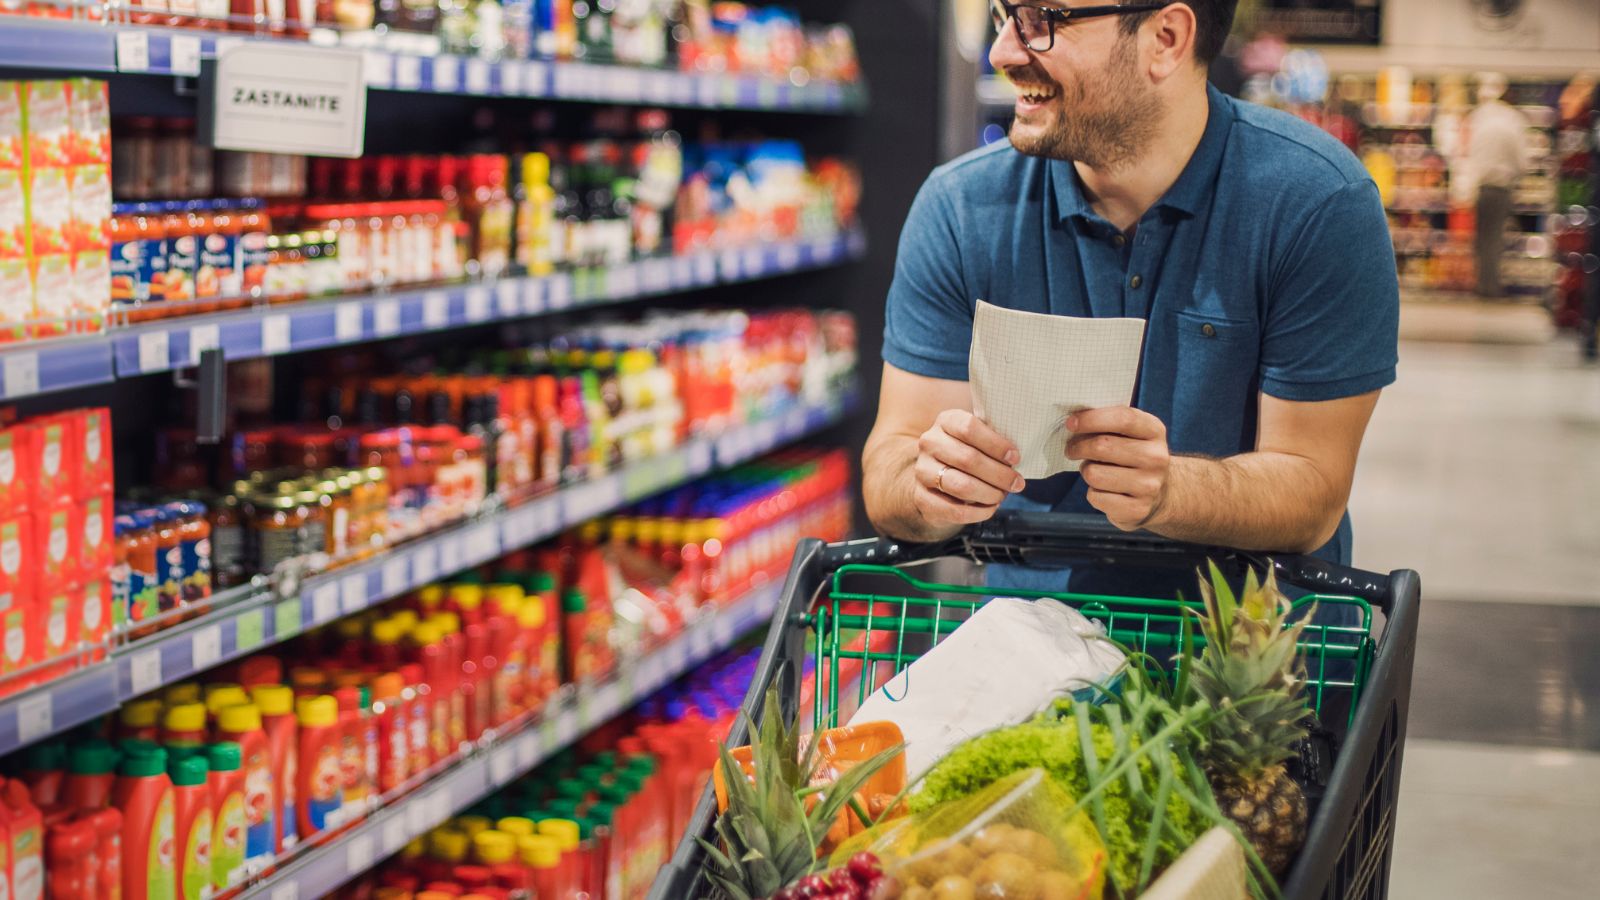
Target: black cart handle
[1047, 537]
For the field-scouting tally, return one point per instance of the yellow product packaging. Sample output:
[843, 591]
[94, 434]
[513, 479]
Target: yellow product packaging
[1013, 839]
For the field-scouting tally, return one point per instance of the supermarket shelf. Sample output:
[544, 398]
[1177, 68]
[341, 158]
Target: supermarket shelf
[259, 617]
[91, 47]
[502, 758]
[43, 366]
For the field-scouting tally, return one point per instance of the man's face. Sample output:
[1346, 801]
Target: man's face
[1086, 98]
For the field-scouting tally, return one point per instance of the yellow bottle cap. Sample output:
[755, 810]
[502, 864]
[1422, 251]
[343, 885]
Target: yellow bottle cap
[494, 847]
[448, 844]
[473, 825]
[516, 826]
[317, 712]
[425, 634]
[405, 620]
[185, 717]
[467, 596]
[539, 851]
[535, 168]
[273, 699]
[222, 696]
[531, 615]
[448, 622]
[623, 530]
[508, 596]
[430, 597]
[590, 531]
[350, 629]
[386, 631]
[414, 849]
[563, 831]
[239, 719]
[179, 694]
[141, 713]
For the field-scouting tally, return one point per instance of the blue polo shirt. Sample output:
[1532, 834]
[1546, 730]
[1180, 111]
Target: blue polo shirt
[1267, 267]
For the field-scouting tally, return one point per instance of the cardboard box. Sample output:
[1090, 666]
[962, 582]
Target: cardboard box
[47, 123]
[16, 648]
[18, 562]
[95, 549]
[16, 281]
[94, 615]
[16, 473]
[11, 145]
[54, 447]
[58, 610]
[89, 118]
[95, 475]
[58, 531]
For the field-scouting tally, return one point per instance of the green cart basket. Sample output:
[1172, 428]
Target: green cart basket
[859, 604]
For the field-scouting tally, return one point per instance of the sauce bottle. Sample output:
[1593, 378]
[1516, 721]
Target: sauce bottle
[353, 744]
[227, 802]
[194, 544]
[44, 770]
[108, 851]
[194, 826]
[418, 718]
[182, 257]
[143, 793]
[393, 736]
[27, 841]
[258, 671]
[219, 696]
[318, 788]
[91, 776]
[241, 724]
[276, 703]
[184, 725]
[181, 693]
[542, 855]
[565, 834]
[430, 653]
[70, 848]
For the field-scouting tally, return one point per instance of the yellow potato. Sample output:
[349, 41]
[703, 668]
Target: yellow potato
[916, 892]
[992, 839]
[1008, 875]
[954, 887]
[1036, 847]
[1058, 886]
[956, 859]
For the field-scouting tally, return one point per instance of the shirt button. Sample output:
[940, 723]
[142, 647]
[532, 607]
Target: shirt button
[1136, 282]
[1208, 329]
[1119, 240]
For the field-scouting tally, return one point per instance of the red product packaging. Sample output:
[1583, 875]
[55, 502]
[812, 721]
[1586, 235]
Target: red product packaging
[16, 624]
[94, 451]
[58, 607]
[94, 614]
[17, 552]
[58, 533]
[16, 474]
[53, 446]
[94, 545]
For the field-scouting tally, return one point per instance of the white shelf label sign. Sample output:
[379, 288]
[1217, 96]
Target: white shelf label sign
[275, 335]
[153, 351]
[133, 51]
[206, 647]
[144, 672]
[347, 322]
[322, 112]
[185, 52]
[35, 718]
[22, 374]
[201, 339]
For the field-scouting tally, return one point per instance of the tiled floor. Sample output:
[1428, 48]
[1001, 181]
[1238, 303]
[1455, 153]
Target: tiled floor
[1482, 471]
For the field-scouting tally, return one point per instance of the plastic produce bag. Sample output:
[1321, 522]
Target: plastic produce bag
[1013, 839]
[1007, 662]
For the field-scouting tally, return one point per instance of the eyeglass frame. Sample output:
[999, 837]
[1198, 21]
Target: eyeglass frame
[1058, 16]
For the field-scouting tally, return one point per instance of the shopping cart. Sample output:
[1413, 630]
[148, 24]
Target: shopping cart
[865, 614]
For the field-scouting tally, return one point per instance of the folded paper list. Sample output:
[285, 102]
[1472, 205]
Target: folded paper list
[1029, 371]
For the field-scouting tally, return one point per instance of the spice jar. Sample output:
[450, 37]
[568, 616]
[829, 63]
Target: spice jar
[277, 523]
[314, 533]
[227, 542]
[340, 519]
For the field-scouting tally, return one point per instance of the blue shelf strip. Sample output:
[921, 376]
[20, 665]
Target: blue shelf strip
[263, 617]
[96, 47]
[45, 366]
[500, 758]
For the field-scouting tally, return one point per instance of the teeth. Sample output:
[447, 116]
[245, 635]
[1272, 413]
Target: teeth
[1036, 95]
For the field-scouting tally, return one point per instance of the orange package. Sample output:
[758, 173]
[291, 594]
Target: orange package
[94, 451]
[94, 615]
[16, 624]
[57, 606]
[53, 446]
[95, 544]
[18, 563]
[58, 533]
[16, 473]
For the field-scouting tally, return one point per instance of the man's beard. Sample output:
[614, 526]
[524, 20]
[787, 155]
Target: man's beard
[1102, 135]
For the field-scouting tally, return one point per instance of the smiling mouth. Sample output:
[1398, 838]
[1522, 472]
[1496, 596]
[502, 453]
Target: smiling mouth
[1036, 93]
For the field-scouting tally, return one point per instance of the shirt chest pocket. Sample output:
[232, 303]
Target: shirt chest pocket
[1218, 361]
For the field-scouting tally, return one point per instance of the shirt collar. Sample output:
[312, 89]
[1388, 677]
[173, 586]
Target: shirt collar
[1188, 194]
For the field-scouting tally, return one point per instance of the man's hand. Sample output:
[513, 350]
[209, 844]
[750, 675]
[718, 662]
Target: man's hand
[963, 470]
[1126, 463]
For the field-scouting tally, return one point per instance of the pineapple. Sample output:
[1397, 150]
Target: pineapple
[777, 819]
[1250, 674]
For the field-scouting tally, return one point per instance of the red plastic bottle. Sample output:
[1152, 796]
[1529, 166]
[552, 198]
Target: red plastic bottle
[276, 703]
[144, 795]
[456, 686]
[477, 679]
[352, 752]
[318, 785]
[394, 738]
[91, 776]
[140, 719]
[418, 719]
[242, 725]
[228, 817]
[260, 670]
[27, 841]
[430, 653]
[194, 826]
[44, 770]
[184, 725]
[108, 851]
[70, 848]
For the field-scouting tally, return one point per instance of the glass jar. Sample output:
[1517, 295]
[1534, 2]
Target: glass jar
[314, 533]
[340, 515]
[379, 490]
[227, 542]
[277, 524]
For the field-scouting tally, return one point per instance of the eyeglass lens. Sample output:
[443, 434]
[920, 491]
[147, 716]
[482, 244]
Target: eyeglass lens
[1033, 26]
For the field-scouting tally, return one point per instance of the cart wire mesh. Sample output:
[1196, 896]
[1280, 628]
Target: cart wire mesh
[887, 628]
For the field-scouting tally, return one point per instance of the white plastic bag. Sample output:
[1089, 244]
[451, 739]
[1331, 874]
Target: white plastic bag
[1007, 662]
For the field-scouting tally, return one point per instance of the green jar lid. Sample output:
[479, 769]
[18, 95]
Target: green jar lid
[93, 758]
[563, 808]
[224, 757]
[144, 763]
[573, 601]
[47, 757]
[615, 795]
[542, 582]
[188, 771]
[606, 758]
[631, 781]
[470, 576]
[572, 790]
[137, 745]
[643, 763]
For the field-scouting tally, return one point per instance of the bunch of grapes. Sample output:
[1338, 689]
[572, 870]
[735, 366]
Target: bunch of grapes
[859, 879]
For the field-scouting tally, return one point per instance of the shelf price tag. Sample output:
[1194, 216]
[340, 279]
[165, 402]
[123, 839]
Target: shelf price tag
[377, 69]
[358, 854]
[446, 74]
[396, 577]
[507, 299]
[201, 339]
[527, 750]
[386, 318]
[144, 672]
[133, 51]
[407, 72]
[478, 302]
[274, 335]
[347, 322]
[21, 374]
[35, 718]
[502, 765]
[353, 593]
[184, 52]
[325, 603]
[153, 355]
[435, 309]
[511, 78]
[206, 647]
[395, 835]
[425, 564]
[417, 820]
[289, 890]
[477, 76]
[286, 618]
[247, 630]
[450, 555]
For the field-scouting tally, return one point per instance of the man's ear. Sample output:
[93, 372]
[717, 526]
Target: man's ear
[1170, 33]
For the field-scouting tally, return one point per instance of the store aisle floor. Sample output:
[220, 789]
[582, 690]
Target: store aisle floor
[1482, 471]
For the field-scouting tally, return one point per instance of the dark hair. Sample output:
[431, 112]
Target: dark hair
[1213, 20]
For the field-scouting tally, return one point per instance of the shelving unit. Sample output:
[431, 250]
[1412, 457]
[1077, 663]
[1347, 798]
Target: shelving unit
[124, 352]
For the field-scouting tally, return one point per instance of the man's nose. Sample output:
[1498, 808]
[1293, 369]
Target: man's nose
[1007, 50]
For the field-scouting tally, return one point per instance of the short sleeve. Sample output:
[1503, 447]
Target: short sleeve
[1333, 316]
[928, 321]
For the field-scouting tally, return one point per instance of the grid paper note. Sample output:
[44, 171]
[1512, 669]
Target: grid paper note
[1029, 371]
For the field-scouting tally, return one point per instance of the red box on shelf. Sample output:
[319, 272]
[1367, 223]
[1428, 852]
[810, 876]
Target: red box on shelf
[94, 452]
[94, 615]
[94, 556]
[16, 646]
[58, 611]
[16, 472]
[18, 559]
[58, 536]
[53, 446]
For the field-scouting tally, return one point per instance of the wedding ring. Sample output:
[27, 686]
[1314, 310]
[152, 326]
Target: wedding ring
[938, 481]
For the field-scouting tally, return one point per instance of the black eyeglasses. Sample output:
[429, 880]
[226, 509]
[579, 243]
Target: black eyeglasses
[1036, 25]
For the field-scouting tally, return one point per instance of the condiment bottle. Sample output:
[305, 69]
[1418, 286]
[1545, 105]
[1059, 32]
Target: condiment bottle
[91, 776]
[194, 826]
[241, 724]
[318, 788]
[143, 793]
[276, 704]
[184, 725]
[227, 797]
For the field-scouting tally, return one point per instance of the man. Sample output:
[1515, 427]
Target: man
[1255, 246]
[1497, 155]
